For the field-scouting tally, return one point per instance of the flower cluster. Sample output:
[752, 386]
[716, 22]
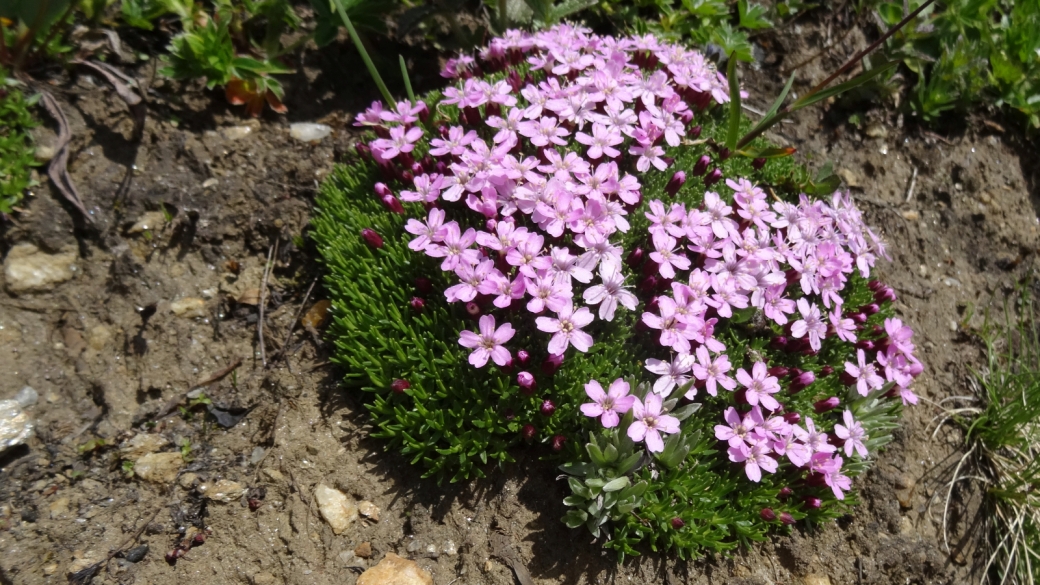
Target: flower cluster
[531, 185]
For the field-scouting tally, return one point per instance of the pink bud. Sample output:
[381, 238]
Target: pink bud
[875, 285]
[778, 343]
[778, 371]
[527, 382]
[784, 493]
[382, 190]
[871, 309]
[392, 204]
[885, 294]
[767, 514]
[724, 153]
[826, 371]
[758, 163]
[701, 166]
[859, 318]
[423, 285]
[786, 518]
[713, 177]
[417, 304]
[557, 442]
[362, 150]
[694, 133]
[473, 309]
[813, 503]
[399, 386]
[829, 404]
[547, 408]
[675, 183]
[528, 432]
[792, 418]
[491, 224]
[523, 356]
[552, 363]
[865, 345]
[678, 523]
[372, 238]
[801, 382]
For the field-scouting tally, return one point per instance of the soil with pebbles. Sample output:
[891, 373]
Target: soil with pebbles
[153, 311]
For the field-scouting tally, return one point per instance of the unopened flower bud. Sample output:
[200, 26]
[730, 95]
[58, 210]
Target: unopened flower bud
[758, 163]
[916, 368]
[382, 190]
[767, 514]
[557, 442]
[813, 503]
[871, 309]
[372, 238]
[523, 356]
[792, 418]
[393, 204]
[725, 153]
[424, 113]
[473, 309]
[417, 304]
[526, 382]
[784, 493]
[528, 432]
[713, 177]
[675, 183]
[701, 166]
[491, 224]
[801, 381]
[508, 414]
[547, 408]
[694, 133]
[649, 283]
[885, 295]
[407, 176]
[778, 371]
[829, 404]
[875, 285]
[826, 371]
[362, 150]
[552, 363]
[786, 518]
[423, 285]
[687, 117]
[399, 386]
[865, 345]
[678, 523]
[635, 257]
[858, 318]
[778, 343]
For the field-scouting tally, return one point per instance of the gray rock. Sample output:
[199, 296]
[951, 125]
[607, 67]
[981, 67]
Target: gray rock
[26, 397]
[15, 425]
[309, 132]
[27, 269]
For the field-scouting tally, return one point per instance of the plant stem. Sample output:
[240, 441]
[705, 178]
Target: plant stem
[786, 110]
[407, 80]
[364, 54]
[503, 16]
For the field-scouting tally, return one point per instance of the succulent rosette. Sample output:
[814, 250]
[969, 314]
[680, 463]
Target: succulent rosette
[555, 250]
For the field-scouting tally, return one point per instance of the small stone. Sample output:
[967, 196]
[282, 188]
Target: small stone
[189, 307]
[816, 579]
[369, 510]
[27, 397]
[911, 215]
[449, 548]
[236, 132]
[264, 579]
[876, 131]
[850, 178]
[27, 269]
[158, 467]
[142, 444]
[44, 153]
[58, 508]
[922, 270]
[137, 553]
[50, 569]
[488, 566]
[187, 480]
[393, 570]
[953, 326]
[308, 132]
[81, 563]
[257, 455]
[906, 527]
[338, 509]
[100, 335]
[364, 550]
[223, 490]
[150, 221]
[210, 183]
[274, 475]
[15, 425]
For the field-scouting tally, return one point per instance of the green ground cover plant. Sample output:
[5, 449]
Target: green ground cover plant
[16, 147]
[479, 253]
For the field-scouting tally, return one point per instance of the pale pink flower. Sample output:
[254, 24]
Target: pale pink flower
[566, 329]
[853, 434]
[650, 422]
[608, 405]
[489, 343]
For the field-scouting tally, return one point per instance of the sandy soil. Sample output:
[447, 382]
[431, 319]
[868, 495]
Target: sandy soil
[111, 357]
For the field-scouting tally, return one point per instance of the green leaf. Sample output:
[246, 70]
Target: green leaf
[596, 454]
[734, 102]
[853, 83]
[752, 16]
[616, 484]
[683, 412]
[770, 152]
[575, 518]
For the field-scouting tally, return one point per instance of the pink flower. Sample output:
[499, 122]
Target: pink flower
[672, 330]
[610, 293]
[853, 434]
[845, 328]
[776, 306]
[649, 423]
[400, 140]
[815, 440]
[456, 247]
[865, 374]
[431, 231]
[789, 443]
[608, 405]
[489, 343]
[713, 372]
[739, 432]
[810, 323]
[472, 276]
[602, 141]
[566, 329]
[667, 258]
[755, 458]
[672, 373]
[506, 291]
[549, 291]
[760, 386]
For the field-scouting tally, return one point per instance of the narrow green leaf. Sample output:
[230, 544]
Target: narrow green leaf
[616, 484]
[407, 80]
[734, 102]
[855, 82]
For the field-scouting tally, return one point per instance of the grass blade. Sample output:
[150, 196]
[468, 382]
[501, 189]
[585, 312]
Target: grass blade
[734, 102]
[364, 54]
[407, 80]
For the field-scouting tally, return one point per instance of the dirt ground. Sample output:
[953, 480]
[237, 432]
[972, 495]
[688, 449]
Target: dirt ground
[154, 313]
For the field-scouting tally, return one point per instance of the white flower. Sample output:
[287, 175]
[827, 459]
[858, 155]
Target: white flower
[610, 293]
